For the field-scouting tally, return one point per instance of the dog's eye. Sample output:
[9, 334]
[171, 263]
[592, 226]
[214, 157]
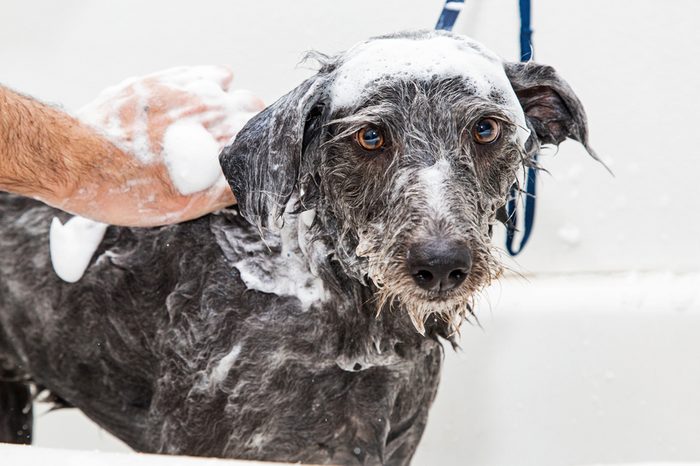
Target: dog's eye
[370, 138]
[486, 131]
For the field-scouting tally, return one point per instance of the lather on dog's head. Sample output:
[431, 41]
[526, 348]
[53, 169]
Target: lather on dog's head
[406, 146]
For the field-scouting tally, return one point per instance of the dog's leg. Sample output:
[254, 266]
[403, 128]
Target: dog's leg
[403, 440]
[15, 413]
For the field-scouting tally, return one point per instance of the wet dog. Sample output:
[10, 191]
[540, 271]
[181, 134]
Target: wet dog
[303, 324]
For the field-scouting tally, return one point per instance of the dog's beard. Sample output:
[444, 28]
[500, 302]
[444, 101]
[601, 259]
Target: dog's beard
[396, 288]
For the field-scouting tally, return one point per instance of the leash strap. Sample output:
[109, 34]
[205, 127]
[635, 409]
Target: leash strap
[449, 15]
[531, 183]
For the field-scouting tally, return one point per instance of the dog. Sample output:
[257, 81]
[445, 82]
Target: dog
[305, 323]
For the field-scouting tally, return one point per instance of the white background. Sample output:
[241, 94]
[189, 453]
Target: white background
[584, 368]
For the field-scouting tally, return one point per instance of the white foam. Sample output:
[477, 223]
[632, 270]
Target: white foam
[288, 273]
[290, 277]
[184, 76]
[222, 368]
[243, 100]
[191, 154]
[72, 246]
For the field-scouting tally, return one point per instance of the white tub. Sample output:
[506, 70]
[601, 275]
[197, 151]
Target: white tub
[18, 455]
[574, 370]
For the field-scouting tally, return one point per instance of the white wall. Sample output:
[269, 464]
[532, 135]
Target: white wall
[634, 63]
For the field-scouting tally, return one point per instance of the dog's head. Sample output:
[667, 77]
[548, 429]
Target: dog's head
[406, 146]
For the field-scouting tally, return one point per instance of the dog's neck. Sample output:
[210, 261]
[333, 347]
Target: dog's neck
[297, 261]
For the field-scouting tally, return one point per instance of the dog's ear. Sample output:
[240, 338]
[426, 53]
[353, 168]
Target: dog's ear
[550, 105]
[262, 163]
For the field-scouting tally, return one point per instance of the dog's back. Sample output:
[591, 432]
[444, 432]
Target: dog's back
[163, 344]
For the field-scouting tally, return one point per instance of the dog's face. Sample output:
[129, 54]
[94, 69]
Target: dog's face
[406, 146]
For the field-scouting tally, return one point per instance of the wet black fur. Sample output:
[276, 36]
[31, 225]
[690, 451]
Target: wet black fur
[128, 343]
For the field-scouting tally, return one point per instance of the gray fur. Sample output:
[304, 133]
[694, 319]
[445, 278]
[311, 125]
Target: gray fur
[171, 340]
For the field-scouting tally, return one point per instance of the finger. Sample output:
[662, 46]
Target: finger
[213, 121]
[226, 77]
[220, 194]
[245, 101]
[184, 76]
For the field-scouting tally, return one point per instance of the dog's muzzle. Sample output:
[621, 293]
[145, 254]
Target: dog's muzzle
[439, 265]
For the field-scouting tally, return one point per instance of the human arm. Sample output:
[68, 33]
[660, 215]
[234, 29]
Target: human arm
[115, 170]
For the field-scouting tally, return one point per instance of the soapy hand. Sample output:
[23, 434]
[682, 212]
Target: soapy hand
[169, 127]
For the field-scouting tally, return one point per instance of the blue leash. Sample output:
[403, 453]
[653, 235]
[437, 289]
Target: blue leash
[449, 14]
[446, 22]
[531, 183]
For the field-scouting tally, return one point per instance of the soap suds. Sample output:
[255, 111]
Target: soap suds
[192, 156]
[413, 59]
[287, 276]
[222, 368]
[72, 246]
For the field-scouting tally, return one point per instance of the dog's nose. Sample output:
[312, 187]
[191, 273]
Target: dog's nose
[439, 265]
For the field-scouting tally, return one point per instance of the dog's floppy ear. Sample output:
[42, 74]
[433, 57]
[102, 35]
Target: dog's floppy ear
[262, 163]
[550, 105]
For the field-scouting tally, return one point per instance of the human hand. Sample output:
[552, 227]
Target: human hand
[169, 127]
